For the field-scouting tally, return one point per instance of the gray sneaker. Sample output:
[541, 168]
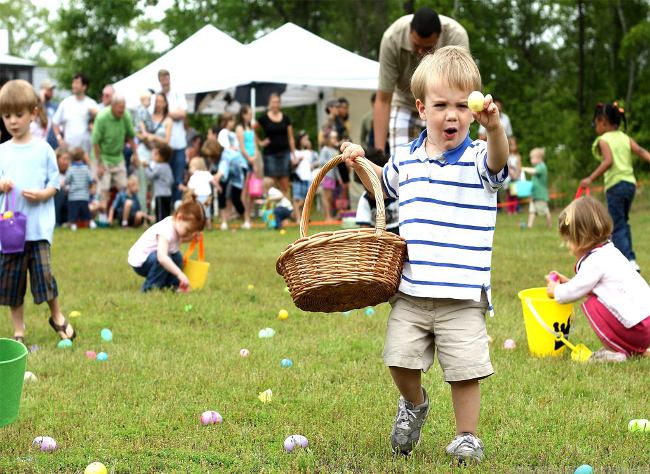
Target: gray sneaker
[604, 355]
[408, 424]
[465, 448]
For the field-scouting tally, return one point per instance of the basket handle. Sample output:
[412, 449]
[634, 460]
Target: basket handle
[370, 181]
[582, 191]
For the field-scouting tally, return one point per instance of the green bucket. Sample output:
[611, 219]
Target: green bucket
[13, 359]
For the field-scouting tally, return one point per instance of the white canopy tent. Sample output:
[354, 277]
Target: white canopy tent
[311, 68]
[191, 68]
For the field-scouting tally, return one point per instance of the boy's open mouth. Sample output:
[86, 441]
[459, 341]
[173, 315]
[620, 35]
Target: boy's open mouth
[450, 132]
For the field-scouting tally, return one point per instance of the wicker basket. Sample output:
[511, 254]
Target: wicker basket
[345, 269]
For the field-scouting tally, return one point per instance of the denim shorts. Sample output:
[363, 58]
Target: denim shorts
[300, 189]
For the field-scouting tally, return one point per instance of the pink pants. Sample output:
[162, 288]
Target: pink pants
[612, 333]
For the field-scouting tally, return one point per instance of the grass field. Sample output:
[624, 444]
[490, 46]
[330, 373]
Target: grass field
[139, 411]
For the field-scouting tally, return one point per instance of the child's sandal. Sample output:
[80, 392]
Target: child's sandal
[62, 328]
[20, 339]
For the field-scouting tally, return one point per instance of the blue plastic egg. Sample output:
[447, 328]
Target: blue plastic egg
[286, 363]
[107, 335]
[102, 356]
[64, 343]
[584, 469]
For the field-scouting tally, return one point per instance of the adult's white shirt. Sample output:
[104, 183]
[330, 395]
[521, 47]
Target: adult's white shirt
[72, 117]
[175, 101]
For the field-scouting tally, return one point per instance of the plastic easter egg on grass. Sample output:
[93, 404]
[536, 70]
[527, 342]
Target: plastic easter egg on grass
[44, 443]
[96, 468]
[106, 335]
[476, 101]
[266, 396]
[102, 357]
[92, 355]
[283, 315]
[64, 344]
[211, 418]
[295, 441]
[637, 426]
[584, 469]
[244, 352]
[370, 311]
[283, 232]
[34, 348]
[29, 377]
[286, 363]
[187, 308]
[509, 344]
[74, 314]
[266, 333]
[250, 286]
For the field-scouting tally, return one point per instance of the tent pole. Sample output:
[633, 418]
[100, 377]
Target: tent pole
[253, 100]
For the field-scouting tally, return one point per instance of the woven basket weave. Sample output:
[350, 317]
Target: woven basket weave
[344, 269]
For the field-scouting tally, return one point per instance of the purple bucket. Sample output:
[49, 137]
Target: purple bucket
[13, 229]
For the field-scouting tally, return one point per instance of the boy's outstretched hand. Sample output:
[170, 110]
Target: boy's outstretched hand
[489, 116]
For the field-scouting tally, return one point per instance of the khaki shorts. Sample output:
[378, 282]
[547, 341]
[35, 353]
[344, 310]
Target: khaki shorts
[539, 207]
[456, 329]
[113, 176]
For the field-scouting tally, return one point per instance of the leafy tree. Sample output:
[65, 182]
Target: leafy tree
[91, 41]
[29, 32]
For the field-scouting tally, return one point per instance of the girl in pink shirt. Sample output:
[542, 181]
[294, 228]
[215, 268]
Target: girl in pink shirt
[156, 255]
[618, 298]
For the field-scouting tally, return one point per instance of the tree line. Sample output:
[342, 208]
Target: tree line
[550, 61]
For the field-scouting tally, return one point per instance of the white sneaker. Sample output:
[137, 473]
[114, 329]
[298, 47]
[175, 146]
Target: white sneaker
[224, 226]
[605, 355]
[73, 227]
[465, 448]
[93, 224]
[246, 225]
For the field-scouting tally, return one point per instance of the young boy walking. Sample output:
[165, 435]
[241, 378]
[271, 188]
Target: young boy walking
[29, 175]
[446, 186]
[539, 196]
[78, 180]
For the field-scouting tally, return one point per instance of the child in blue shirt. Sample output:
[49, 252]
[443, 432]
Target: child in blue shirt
[446, 186]
[126, 205]
[29, 175]
[78, 180]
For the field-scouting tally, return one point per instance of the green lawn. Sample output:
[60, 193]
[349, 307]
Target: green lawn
[139, 411]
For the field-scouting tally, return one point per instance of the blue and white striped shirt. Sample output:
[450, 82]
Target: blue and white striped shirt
[447, 214]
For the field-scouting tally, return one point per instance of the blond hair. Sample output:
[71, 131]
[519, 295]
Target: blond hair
[451, 65]
[18, 96]
[538, 153]
[133, 179]
[198, 164]
[585, 223]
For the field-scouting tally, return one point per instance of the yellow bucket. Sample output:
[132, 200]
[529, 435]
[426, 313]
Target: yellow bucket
[544, 317]
[196, 270]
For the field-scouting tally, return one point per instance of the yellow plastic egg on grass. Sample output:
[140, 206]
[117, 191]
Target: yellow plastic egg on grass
[283, 314]
[96, 468]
